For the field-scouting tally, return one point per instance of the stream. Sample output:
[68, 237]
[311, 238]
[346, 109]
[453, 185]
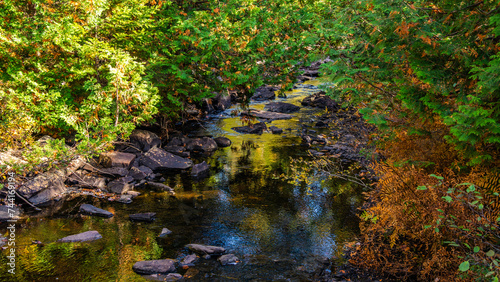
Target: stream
[280, 229]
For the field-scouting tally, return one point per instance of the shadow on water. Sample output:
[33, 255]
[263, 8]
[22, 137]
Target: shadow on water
[279, 230]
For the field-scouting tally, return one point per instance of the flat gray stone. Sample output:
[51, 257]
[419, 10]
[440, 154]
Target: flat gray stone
[164, 233]
[82, 237]
[154, 266]
[91, 210]
[189, 260]
[159, 159]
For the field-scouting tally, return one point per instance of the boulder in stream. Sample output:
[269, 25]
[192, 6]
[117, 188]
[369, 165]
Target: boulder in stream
[154, 266]
[91, 210]
[264, 93]
[116, 159]
[281, 107]
[275, 130]
[164, 233]
[81, 237]
[205, 144]
[222, 141]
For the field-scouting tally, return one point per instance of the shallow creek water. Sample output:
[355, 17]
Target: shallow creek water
[279, 230]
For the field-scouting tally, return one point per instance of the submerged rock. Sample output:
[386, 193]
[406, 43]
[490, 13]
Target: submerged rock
[256, 128]
[205, 249]
[154, 266]
[82, 237]
[91, 210]
[228, 259]
[147, 217]
[159, 159]
[160, 186]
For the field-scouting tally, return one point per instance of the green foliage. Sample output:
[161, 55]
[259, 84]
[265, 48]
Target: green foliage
[423, 60]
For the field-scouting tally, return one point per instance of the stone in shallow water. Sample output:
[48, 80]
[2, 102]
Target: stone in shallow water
[200, 170]
[281, 107]
[154, 266]
[82, 237]
[205, 249]
[91, 210]
[189, 260]
[222, 141]
[148, 217]
[228, 259]
[164, 232]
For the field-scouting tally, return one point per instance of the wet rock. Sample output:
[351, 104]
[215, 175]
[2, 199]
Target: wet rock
[281, 107]
[200, 170]
[120, 185]
[205, 144]
[256, 128]
[160, 186]
[82, 237]
[48, 194]
[222, 141]
[144, 140]
[133, 193]
[114, 171]
[191, 273]
[275, 130]
[320, 100]
[205, 249]
[189, 260]
[147, 217]
[116, 159]
[81, 179]
[91, 210]
[177, 150]
[266, 114]
[264, 93]
[154, 266]
[164, 233]
[140, 173]
[159, 159]
[178, 141]
[228, 259]
[8, 212]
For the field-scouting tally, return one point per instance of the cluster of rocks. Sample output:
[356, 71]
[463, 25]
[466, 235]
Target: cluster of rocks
[139, 162]
[168, 268]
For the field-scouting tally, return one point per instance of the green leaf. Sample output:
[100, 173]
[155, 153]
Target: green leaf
[437, 176]
[476, 249]
[421, 188]
[448, 199]
[464, 266]
[490, 253]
